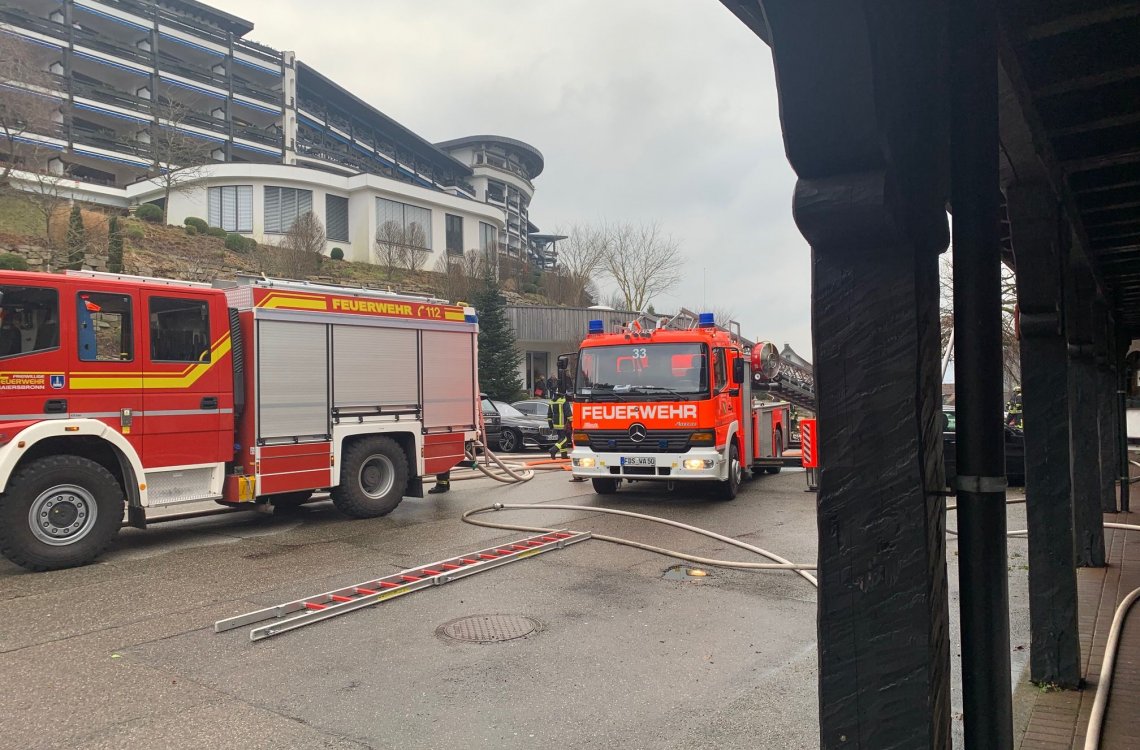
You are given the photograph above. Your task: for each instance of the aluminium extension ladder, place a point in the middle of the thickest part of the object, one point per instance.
(312, 609)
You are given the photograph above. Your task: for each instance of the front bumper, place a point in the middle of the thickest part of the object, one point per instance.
(540, 440)
(696, 464)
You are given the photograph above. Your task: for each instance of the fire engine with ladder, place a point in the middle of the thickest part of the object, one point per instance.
(674, 400)
(138, 399)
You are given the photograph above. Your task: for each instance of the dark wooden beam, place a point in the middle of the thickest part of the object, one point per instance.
(1118, 158)
(1099, 124)
(1076, 21)
(1081, 83)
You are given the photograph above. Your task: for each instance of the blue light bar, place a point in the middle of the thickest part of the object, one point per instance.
(707, 320)
(597, 326)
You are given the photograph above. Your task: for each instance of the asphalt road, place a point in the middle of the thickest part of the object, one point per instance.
(122, 654)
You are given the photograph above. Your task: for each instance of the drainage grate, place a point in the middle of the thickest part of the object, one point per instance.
(488, 628)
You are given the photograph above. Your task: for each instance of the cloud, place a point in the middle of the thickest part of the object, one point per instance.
(646, 110)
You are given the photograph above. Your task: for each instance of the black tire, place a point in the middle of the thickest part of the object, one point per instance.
(290, 500)
(727, 490)
(80, 509)
(510, 440)
(778, 452)
(604, 486)
(373, 478)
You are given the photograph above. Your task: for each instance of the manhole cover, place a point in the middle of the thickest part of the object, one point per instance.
(488, 628)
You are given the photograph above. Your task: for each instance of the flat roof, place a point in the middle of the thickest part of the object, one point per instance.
(528, 153)
(227, 21)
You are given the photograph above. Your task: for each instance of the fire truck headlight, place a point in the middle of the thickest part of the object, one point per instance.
(703, 437)
(698, 463)
(585, 463)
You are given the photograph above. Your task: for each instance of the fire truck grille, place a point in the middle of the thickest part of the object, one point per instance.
(656, 441)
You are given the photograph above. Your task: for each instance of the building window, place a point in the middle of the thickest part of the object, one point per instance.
(336, 218)
(283, 206)
(179, 330)
(403, 223)
(231, 208)
(454, 234)
(488, 237)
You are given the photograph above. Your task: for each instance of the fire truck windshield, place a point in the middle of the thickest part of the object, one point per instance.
(644, 370)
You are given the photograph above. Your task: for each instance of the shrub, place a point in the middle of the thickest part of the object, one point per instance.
(199, 225)
(76, 239)
(238, 244)
(13, 262)
(337, 254)
(149, 212)
(191, 230)
(529, 288)
(134, 233)
(217, 232)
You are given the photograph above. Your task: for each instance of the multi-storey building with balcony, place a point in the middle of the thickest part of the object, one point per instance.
(276, 136)
(503, 173)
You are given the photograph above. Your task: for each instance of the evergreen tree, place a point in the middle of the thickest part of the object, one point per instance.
(499, 357)
(114, 246)
(76, 240)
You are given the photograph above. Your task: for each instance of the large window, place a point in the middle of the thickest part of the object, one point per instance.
(104, 327)
(231, 208)
(454, 234)
(336, 218)
(488, 237)
(179, 330)
(30, 320)
(403, 223)
(283, 205)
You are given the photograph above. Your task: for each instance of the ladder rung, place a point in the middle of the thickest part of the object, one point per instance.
(388, 585)
(364, 591)
(339, 598)
(450, 566)
(467, 561)
(430, 572)
(410, 579)
(486, 556)
(314, 605)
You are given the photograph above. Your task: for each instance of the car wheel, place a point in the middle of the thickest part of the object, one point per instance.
(509, 441)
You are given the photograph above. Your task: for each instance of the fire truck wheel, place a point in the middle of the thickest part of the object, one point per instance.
(373, 478)
(59, 512)
(727, 489)
(605, 486)
(290, 500)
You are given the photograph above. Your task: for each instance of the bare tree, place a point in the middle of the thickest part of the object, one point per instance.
(1010, 346)
(179, 157)
(26, 105)
(46, 194)
(399, 248)
(300, 252)
(581, 263)
(643, 263)
(459, 276)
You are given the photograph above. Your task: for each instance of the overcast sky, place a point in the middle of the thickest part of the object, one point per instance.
(646, 110)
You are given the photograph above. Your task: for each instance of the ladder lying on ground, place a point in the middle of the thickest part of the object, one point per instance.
(312, 609)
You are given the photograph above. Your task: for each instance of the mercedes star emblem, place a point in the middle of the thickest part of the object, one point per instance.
(637, 432)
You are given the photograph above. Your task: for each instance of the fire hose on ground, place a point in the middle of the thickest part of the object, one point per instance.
(1104, 683)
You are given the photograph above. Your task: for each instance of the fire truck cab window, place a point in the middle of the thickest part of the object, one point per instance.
(179, 330)
(29, 320)
(105, 329)
(720, 374)
(645, 369)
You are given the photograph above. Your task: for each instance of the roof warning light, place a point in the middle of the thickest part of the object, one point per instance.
(597, 326)
(707, 320)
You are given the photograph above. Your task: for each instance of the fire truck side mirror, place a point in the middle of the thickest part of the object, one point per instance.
(737, 371)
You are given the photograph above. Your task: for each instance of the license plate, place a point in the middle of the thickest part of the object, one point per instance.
(638, 461)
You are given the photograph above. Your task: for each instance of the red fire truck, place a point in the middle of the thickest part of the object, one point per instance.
(138, 399)
(670, 400)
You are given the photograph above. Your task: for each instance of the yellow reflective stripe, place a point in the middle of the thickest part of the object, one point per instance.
(303, 301)
(454, 315)
(95, 381)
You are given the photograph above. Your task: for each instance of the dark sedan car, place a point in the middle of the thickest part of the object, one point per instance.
(516, 430)
(1014, 451)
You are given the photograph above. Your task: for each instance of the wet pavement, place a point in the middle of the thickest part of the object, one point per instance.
(122, 653)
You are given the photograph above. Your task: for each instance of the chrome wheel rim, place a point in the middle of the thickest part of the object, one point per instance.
(377, 476)
(508, 441)
(62, 515)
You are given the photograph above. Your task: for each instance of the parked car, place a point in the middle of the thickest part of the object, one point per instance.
(538, 408)
(514, 429)
(1014, 450)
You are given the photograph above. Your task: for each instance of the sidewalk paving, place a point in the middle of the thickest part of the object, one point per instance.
(1059, 720)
